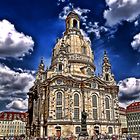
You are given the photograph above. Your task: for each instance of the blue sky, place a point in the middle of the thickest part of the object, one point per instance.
(30, 28)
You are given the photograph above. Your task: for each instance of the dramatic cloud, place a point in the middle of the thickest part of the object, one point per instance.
(129, 90)
(12, 43)
(14, 86)
(89, 26)
(121, 10)
(136, 42)
(18, 104)
(95, 28)
(79, 11)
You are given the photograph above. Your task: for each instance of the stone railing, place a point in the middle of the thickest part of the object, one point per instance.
(80, 57)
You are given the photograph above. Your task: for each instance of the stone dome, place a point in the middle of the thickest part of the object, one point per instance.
(74, 47)
(75, 44)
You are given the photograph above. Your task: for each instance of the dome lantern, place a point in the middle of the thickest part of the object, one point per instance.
(72, 22)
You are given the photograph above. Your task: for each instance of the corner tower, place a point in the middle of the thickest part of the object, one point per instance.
(107, 75)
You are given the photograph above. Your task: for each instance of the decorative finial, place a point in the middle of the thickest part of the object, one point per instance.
(41, 62)
(105, 53)
(41, 66)
(47, 68)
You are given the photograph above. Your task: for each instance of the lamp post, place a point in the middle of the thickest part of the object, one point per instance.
(83, 132)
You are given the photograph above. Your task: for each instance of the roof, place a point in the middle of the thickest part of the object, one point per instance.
(133, 107)
(122, 109)
(9, 116)
(73, 14)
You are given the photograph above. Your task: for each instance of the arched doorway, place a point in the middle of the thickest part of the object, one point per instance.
(58, 131)
(96, 129)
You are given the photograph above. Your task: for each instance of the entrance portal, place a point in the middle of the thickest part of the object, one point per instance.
(96, 129)
(58, 131)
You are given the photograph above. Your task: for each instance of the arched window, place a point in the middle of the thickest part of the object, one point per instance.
(59, 105)
(59, 98)
(76, 100)
(110, 130)
(76, 106)
(89, 72)
(107, 107)
(96, 129)
(77, 129)
(107, 77)
(60, 67)
(94, 105)
(75, 23)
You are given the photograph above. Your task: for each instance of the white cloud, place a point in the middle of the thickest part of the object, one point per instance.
(18, 104)
(95, 28)
(136, 23)
(121, 10)
(89, 26)
(136, 42)
(61, 1)
(14, 86)
(67, 9)
(13, 43)
(129, 91)
(85, 35)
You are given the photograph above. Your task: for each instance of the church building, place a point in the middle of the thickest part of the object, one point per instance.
(56, 99)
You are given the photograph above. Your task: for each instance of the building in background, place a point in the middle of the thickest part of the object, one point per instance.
(55, 100)
(12, 124)
(123, 120)
(133, 118)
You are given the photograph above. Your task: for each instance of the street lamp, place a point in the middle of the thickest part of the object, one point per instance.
(83, 132)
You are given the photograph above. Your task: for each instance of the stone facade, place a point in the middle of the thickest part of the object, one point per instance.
(123, 120)
(56, 98)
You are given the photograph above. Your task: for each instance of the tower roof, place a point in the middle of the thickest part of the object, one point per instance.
(106, 59)
(73, 14)
(41, 65)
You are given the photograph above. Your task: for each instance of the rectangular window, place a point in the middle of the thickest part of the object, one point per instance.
(76, 113)
(108, 115)
(15, 116)
(58, 112)
(95, 114)
(60, 67)
(110, 130)
(58, 101)
(77, 130)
